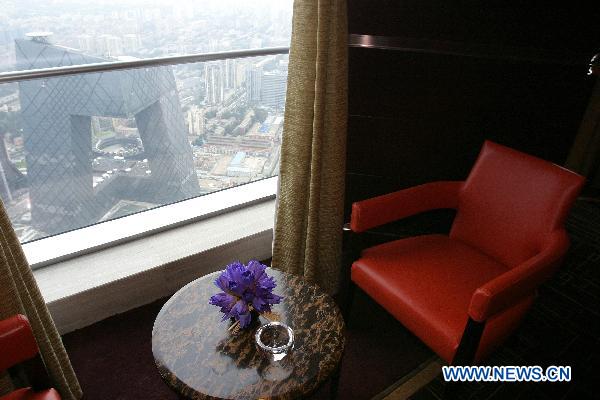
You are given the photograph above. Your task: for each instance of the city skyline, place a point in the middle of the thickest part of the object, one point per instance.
(233, 137)
(57, 126)
(147, 28)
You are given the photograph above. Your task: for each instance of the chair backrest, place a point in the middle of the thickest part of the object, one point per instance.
(511, 201)
(17, 343)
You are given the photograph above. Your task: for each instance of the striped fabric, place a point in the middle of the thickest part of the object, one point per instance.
(310, 202)
(19, 294)
(584, 156)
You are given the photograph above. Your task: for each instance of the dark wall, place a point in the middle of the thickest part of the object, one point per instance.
(418, 116)
(569, 26)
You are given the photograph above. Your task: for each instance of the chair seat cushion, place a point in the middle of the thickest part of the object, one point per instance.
(29, 394)
(426, 282)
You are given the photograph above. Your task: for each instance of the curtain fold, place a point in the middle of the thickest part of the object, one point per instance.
(584, 156)
(19, 294)
(309, 216)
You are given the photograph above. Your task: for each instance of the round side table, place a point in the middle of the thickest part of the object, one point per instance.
(199, 358)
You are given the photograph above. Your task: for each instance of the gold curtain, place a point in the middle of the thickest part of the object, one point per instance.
(584, 156)
(19, 294)
(309, 213)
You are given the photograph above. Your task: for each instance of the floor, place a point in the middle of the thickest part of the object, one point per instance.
(113, 358)
(563, 327)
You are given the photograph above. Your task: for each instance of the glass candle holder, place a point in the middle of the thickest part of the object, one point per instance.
(276, 339)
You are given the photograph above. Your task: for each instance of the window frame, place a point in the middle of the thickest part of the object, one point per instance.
(75, 243)
(53, 249)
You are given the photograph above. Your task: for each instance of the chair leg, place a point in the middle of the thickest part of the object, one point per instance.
(451, 390)
(352, 247)
(348, 302)
(467, 348)
(32, 373)
(335, 382)
(465, 355)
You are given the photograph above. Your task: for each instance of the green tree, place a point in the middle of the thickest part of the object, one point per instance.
(260, 115)
(10, 122)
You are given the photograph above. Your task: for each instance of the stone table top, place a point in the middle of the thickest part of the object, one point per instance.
(200, 358)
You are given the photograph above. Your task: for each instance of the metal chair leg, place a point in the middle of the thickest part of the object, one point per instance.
(348, 302)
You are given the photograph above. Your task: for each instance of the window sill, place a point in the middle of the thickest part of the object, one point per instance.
(87, 288)
(108, 234)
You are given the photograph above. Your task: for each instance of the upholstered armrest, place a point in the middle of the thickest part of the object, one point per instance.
(519, 282)
(390, 207)
(17, 343)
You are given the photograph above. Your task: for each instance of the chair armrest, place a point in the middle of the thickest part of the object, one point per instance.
(509, 288)
(390, 207)
(17, 343)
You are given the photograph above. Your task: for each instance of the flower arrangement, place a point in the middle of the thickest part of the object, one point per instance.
(246, 289)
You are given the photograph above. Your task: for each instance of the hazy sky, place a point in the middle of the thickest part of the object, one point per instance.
(176, 22)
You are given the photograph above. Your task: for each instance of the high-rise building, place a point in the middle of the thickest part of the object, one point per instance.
(230, 72)
(87, 43)
(253, 84)
(131, 43)
(213, 45)
(213, 72)
(112, 45)
(10, 176)
(195, 121)
(256, 43)
(240, 74)
(57, 117)
(273, 89)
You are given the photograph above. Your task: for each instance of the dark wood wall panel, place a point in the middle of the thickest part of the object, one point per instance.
(388, 147)
(419, 116)
(569, 26)
(432, 101)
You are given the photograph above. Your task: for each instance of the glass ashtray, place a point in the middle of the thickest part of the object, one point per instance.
(276, 339)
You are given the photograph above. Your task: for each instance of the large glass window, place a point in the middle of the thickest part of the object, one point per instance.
(80, 149)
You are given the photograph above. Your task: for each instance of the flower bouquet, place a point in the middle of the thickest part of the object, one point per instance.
(247, 290)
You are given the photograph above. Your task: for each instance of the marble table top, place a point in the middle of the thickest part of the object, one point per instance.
(200, 358)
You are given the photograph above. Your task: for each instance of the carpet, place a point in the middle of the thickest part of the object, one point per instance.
(562, 327)
(113, 358)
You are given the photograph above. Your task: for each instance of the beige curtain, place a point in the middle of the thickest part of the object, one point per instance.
(309, 214)
(584, 156)
(19, 294)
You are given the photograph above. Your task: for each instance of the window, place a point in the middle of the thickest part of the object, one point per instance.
(85, 148)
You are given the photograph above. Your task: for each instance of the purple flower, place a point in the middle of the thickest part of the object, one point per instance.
(245, 288)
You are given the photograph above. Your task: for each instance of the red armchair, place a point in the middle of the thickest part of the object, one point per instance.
(464, 293)
(18, 346)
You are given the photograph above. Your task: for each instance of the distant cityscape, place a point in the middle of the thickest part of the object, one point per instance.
(81, 149)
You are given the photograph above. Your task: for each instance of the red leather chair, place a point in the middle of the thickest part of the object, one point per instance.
(18, 346)
(464, 293)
